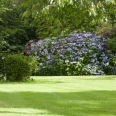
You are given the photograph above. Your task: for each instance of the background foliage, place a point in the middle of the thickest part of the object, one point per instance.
(21, 21)
(48, 18)
(12, 29)
(55, 17)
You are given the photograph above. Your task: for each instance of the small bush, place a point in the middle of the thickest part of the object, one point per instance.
(111, 40)
(18, 68)
(114, 60)
(104, 27)
(33, 63)
(100, 29)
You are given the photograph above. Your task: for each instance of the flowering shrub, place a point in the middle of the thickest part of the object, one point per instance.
(74, 54)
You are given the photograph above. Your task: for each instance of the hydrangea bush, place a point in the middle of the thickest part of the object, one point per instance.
(74, 54)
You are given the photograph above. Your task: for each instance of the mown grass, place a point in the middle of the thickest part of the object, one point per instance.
(59, 96)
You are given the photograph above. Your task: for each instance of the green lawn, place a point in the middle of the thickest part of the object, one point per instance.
(59, 96)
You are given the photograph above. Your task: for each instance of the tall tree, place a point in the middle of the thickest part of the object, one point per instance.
(53, 17)
(3, 9)
(12, 29)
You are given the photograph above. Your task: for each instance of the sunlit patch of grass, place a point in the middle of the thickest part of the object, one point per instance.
(22, 111)
(59, 96)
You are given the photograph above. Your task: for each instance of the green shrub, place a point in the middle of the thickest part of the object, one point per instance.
(104, 27)
(108, 31)
(114, 61)
(111, 40)
(33, 63)
(18, 68)
(111, 45)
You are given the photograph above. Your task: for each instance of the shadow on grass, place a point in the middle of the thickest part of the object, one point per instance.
(89, 103)
(39, 81)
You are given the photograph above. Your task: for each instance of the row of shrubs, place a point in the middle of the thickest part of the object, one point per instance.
(75, 54)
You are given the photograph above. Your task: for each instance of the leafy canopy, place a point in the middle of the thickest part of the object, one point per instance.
(55, 17)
